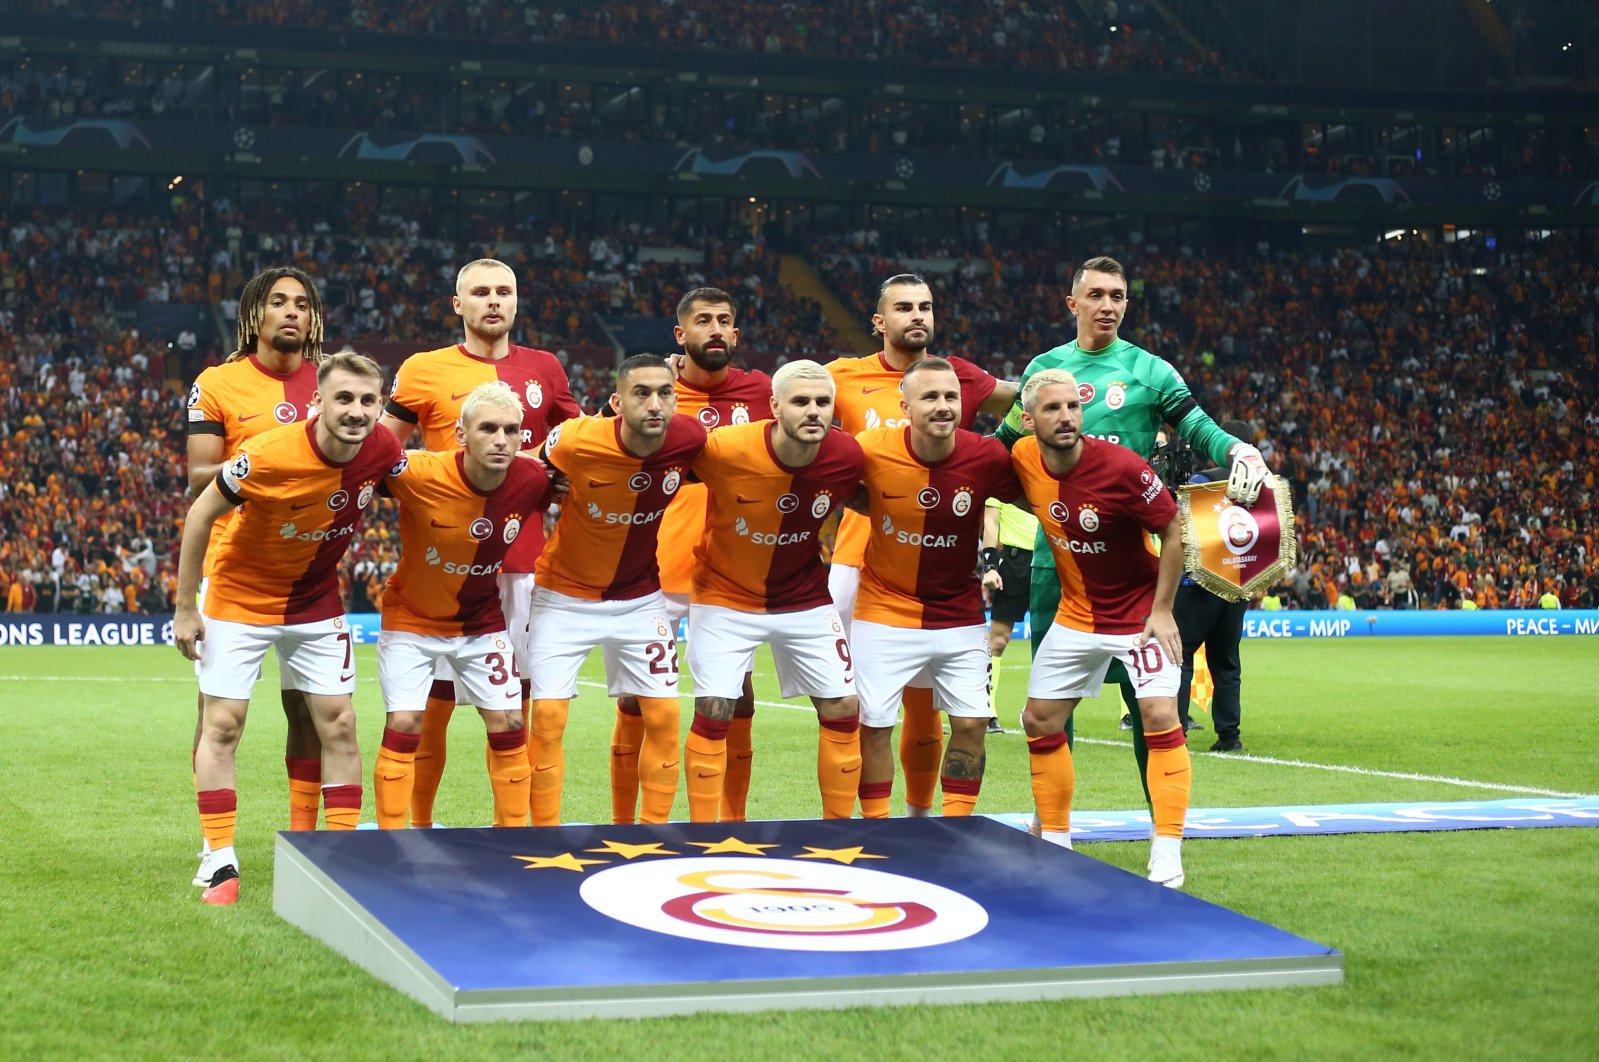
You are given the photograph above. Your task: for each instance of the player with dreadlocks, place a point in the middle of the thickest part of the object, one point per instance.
(266, 383)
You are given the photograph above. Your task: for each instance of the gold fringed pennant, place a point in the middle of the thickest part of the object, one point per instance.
(1236, 551)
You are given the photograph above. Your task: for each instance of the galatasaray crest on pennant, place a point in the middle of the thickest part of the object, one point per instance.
(1236, 551)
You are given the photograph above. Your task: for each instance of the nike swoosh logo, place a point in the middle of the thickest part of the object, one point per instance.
(702, 774)
(850, 770)
(848, 679)
(252, 416)
(599, 483)
(1144, 683)
(443, 527)
(872, 390)
(1170, 773)
(895, 497)
(305, 505)
(547, 767)
(669, 766)
(670, 682)
(347, 678)
(746, 501)
(457, 398)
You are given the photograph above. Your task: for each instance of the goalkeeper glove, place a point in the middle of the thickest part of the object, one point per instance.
(1249, 474)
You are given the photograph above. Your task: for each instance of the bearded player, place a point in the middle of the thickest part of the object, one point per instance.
(869, 397)
(1097, 504)
(717, 395)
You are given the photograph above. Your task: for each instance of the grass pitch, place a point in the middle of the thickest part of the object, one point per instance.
(1457, 945)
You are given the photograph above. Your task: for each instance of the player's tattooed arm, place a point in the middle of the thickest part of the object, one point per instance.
(719, 709)
(860, 502)
(999, 402)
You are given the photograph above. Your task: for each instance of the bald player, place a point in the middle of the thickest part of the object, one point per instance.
(869, 397)
(428, 394)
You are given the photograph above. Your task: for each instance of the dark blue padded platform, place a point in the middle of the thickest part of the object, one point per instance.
(580, 921)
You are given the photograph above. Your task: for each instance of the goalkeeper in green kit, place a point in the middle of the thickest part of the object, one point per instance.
(1127, 394)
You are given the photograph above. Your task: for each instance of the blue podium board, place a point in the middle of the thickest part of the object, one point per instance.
(635, 921)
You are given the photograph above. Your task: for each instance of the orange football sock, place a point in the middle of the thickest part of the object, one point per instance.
(430, 754)
(1171, 780)
(219, 813)
(626, 737)
(658, 757)
(736, 779)
(1054, 778)
(960, 795)
(305, 791)
(921, 747)
(392, 777)
(705, 761)
(838, 765)
(547, 725)
(341, 806)
(509, 776)
(874, 799)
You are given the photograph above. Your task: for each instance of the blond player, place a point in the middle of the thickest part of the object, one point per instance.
(428, 393)
(759, 578)
(461, 513)
(1097, 503)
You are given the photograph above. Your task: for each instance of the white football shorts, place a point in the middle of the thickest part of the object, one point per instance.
(635, 636)
(485, 664)
(315, 657)
(809, 648)
(954, 661)
(1072, 664)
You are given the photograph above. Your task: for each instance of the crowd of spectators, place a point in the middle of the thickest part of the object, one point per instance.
(91, 428)
(1126, 35)
(1431, 404)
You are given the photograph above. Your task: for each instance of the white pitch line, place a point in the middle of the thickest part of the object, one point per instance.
(1343, 769)
(1244, 757)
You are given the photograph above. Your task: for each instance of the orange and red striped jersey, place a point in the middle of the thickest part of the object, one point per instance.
(603, 548)
(242, 399)
(744, 396)
(430, 387)
(278, 561)
(925, 523)
(759, 551)
(868, 397)
(1098, 518)
(454, 540)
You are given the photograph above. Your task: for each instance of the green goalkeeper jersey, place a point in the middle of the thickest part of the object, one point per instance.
(1127, 394)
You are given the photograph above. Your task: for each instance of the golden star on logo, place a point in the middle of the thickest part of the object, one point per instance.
(733, 844)
(846, 856)
(632, 851)
(564, 861)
